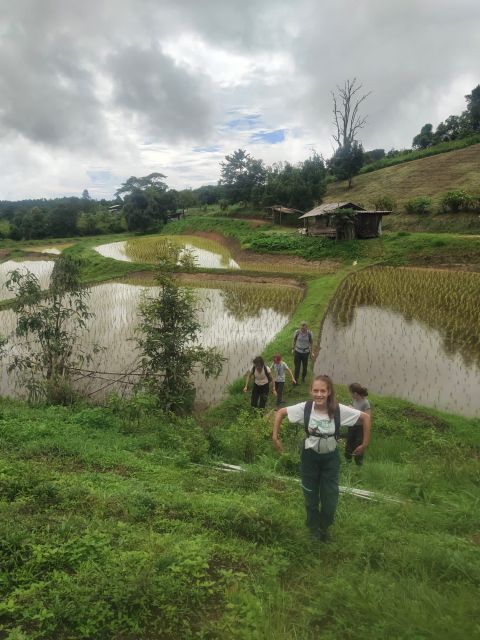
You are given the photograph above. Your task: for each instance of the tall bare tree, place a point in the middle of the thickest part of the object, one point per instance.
(346, 104)
(348, 157)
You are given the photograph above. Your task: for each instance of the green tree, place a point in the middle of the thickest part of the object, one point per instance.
(50, 327)
(473, 108)
(153, 180)
(147, 201)
(425, 138)
(344, 223)
(298, 187)
(167, 337)
(346, 162)
(240, 175)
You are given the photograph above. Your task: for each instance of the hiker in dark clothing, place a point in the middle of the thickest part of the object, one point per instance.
(302, 349)
(320, 462)
(262, 378)
(355, 432)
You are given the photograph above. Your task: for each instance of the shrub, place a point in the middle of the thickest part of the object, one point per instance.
(385, 203)
(244, 439)
(420, 205)
(456, 200)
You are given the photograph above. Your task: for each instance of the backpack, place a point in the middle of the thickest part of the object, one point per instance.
(269, 377)
(309, 334)
(308, 411)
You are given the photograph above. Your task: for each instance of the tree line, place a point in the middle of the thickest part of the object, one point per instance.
(146, 203)
(455, 127)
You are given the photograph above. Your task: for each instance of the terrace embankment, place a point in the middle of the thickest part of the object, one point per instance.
(143, 277)
(268, 261)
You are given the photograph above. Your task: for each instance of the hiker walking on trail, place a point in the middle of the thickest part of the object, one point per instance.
(279, 369)
(262, 378)
(355, 432)
(302, 349)
(320, 462)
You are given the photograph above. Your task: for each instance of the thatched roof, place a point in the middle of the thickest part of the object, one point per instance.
(330, 207)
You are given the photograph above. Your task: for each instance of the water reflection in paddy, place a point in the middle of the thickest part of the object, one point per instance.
(208, 253)
(238, 320)
(42, 269)
(407, 333)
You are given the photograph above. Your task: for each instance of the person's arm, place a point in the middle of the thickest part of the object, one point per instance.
(271, 381)
(312, 352)
(290, 372)
(367, 423)
(247, 380)
(279, 416)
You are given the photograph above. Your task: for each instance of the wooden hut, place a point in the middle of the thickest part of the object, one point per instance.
(319, 221)
(283, 215)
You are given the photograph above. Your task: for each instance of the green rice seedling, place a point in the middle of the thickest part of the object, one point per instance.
(412, 333)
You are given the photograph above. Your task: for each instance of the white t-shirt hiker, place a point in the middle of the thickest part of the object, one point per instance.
(320, 427)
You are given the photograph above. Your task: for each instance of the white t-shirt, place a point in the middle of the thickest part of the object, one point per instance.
(259, 376)
(320, 427)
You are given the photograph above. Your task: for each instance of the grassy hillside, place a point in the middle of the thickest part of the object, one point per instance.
(116, 524)
(430, 176)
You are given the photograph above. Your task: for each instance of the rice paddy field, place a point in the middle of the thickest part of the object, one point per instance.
(210, 253)
(410, 333)
(207, 253)
(118, 522)
(42, 269)
(237, 318)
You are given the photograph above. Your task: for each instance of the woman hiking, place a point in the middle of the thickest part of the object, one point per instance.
(355, 432)
(262, 378)
(320, 461)
(302, 349)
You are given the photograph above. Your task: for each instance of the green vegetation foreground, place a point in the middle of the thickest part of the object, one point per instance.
(117, 523)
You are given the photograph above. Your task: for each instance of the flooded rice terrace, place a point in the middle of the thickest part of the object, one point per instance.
(42, 269)
(208, 253)
(237, 318)
(410, 333)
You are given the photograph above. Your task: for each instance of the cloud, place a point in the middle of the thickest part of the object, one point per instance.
(161, 99)
(130, 87)
(48, 93)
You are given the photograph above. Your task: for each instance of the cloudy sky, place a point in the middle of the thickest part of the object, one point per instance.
(95, 91)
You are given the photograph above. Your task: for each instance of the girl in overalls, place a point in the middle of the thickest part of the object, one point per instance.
(320, 462)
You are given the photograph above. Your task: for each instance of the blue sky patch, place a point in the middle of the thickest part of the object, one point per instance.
(270, 137)
(245, 122)
(211, 149)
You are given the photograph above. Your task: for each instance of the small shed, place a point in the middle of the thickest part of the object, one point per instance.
(283, 215)
(319, 221)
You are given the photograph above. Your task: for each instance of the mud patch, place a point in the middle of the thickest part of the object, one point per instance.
(426, 419)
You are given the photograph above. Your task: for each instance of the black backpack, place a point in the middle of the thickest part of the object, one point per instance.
(308, 411)
(269, 377)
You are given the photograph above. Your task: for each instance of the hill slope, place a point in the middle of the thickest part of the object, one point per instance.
(430, 176)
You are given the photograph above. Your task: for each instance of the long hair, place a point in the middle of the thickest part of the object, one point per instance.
(259, 363)
(331, 400)
(356, 387)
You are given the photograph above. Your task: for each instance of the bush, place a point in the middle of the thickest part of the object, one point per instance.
(245, 439)
(455, 200)
(385, 203)
(420, 205)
